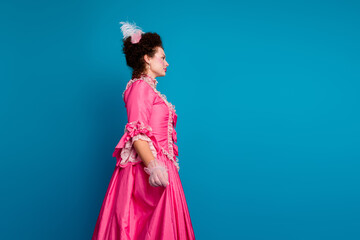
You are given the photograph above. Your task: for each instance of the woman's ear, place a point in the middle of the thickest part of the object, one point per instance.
(146, 58)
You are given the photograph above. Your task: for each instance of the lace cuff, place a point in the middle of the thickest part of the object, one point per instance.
(128, 153)
(125, 152)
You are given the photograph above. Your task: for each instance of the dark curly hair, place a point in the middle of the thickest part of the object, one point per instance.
(134, 53)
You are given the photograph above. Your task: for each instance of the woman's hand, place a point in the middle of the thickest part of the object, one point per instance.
(158, 174)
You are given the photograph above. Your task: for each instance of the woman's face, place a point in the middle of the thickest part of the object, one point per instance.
(158, 64)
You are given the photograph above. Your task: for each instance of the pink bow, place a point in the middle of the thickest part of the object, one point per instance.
(135, 38)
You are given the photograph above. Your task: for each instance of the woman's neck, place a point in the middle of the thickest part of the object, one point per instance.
(149, 75)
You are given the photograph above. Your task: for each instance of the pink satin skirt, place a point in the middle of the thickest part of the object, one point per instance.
(133, 209)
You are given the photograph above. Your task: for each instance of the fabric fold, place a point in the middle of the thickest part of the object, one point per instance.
(174, 135)
(174, 119)
(175, 148)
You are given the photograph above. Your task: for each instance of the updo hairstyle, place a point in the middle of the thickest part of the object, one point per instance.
(134, 53)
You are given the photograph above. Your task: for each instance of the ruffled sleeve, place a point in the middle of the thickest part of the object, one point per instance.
(139, 98)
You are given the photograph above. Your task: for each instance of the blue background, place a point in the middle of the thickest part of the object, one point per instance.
(267, 96)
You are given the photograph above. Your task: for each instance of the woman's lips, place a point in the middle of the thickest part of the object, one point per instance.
(165, 69)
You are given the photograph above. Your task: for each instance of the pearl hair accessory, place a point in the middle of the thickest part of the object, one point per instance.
(131, 30)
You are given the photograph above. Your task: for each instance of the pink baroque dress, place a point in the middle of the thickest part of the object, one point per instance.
(132, 208)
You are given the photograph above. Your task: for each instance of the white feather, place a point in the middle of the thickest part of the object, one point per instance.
(129, 29)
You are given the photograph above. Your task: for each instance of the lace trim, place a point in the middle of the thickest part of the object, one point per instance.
(171, 157)
(128, 153)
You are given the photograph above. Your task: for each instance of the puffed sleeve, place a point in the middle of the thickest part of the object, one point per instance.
(139, 99)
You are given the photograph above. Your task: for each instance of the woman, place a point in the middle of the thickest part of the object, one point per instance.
(145, 198)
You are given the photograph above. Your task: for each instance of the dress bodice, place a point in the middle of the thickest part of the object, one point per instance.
(148, 109)
(163, 125)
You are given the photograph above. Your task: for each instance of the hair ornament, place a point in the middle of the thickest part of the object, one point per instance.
(131, 30)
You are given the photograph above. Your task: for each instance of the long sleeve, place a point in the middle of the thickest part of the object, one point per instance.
(139, 99)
